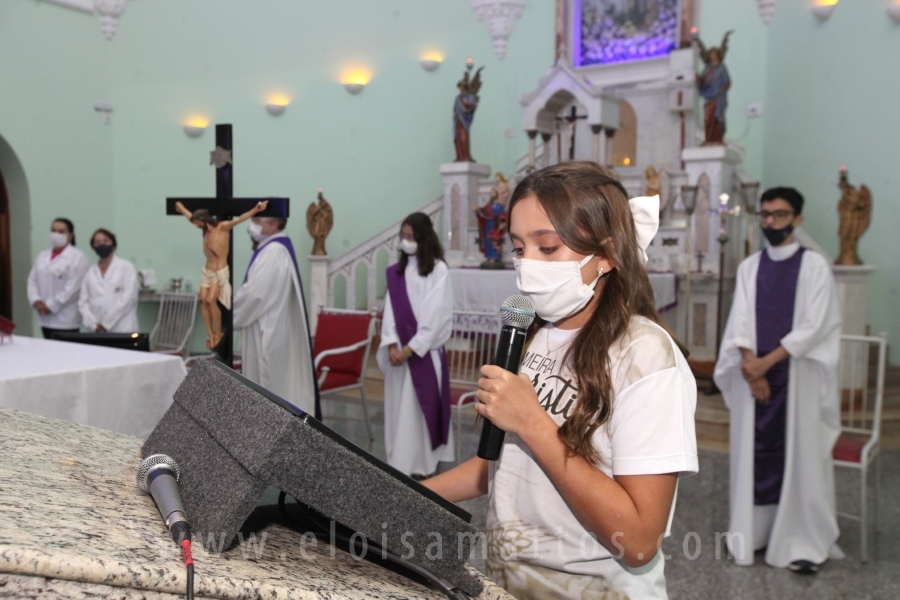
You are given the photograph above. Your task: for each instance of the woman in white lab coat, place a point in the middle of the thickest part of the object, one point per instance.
(55, 280)
(109, 293)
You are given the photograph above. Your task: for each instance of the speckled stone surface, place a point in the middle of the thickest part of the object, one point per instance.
(70, 512)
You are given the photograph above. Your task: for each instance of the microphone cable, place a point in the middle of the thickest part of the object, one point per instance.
(189, 563)
(181, 533)
(448, 589)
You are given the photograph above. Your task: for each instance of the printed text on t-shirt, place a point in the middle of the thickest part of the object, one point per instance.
(556, 393)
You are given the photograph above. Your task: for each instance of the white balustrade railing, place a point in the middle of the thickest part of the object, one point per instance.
(347, 266)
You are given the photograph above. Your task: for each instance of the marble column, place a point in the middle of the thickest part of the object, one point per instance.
(608, 147)
(545, 157)
(596, 155)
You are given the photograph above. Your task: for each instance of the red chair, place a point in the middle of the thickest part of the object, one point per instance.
(341, 350)
(859, 444)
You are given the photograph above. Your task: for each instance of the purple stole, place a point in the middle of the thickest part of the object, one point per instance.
(433, 398)
(776, 291)
(286, 242)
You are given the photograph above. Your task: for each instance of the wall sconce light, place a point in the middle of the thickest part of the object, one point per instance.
(355, 79)
(276, 105)
(430, 62)
(105, 109)
(894, 12)
(823, 8)
(195, 127)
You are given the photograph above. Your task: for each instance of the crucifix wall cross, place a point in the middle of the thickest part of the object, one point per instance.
(225, 207)
(570, 119)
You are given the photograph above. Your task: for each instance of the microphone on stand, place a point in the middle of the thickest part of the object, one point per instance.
(158, 476)
(516, 314)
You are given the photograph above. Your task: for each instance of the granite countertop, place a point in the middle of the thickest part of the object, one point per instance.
(73, 523)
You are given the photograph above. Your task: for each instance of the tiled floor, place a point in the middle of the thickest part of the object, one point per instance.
(703, 509)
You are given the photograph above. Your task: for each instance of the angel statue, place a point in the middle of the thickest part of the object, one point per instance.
(319, 221)
(713, 84)
(855, 211)
(464, 112)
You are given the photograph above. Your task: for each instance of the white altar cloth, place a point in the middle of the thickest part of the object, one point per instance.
(484, 290)
(121, 390)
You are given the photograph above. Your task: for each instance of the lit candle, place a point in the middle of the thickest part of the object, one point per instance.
(469, 63)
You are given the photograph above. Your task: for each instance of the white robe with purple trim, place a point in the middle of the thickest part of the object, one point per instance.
(406, 435)
(804, 525)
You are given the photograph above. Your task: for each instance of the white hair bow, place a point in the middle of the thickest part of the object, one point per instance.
(645, 210)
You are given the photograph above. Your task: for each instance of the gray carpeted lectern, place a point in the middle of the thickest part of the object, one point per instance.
(232, 439)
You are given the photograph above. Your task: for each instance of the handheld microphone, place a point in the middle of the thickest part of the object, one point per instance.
(516, 314)
(158, 476)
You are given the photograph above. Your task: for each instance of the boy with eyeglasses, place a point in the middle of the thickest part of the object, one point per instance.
(776, 369)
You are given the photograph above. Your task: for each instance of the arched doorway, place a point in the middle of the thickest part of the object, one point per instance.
(15, 240)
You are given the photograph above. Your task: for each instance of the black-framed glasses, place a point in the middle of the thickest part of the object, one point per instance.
(778, 215)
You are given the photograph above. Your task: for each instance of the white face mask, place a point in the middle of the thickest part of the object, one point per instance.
(255, 231)
(58, 240)
(409, 247)
(555, 288)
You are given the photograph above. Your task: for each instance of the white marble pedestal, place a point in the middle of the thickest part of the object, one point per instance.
(712, 170)
(460, 193)
(318, 289)
(852, 282)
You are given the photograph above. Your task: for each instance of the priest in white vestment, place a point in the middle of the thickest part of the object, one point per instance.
(418, 321)
(270, 311)
(777, 372)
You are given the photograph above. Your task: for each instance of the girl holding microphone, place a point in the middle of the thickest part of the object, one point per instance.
(600, 420)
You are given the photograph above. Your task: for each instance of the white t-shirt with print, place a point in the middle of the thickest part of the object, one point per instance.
(537, 548)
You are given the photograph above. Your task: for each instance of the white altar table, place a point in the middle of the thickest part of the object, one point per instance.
(484, 290)
(121, 390)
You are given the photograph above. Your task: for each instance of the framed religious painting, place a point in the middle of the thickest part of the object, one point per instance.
(617, 31)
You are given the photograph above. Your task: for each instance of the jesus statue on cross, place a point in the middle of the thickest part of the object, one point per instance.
(215, 280)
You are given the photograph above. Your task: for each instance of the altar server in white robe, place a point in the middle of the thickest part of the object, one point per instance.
(55, 280)
(270, 311)
(109, 292)
(776, 370)
(418, 319)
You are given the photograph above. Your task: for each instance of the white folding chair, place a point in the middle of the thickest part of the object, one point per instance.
(174, 324)
(471, 345)
(860, 441)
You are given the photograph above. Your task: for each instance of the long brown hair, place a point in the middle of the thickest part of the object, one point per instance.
(589, 210)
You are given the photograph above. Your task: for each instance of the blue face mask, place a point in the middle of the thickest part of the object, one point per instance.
(103, 250)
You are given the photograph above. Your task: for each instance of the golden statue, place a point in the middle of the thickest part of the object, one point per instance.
(855, 210)
(319, 221)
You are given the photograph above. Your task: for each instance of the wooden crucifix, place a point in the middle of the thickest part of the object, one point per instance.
(219, 210)
(570, 119)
